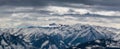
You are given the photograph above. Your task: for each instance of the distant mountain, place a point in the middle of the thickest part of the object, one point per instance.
(61, 37)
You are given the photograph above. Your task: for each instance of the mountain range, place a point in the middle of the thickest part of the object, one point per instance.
(58, 37)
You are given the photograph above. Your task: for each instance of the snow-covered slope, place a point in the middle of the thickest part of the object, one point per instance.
(61, 37)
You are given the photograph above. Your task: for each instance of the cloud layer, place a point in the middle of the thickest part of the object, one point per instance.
(43, 12)
(47, 2)
(16, 16)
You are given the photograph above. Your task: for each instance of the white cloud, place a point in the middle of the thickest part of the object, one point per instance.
(58, 10)
(20, 15)
(67, 10)
(107, 13)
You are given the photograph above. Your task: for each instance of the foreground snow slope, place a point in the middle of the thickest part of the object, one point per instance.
(58, 37)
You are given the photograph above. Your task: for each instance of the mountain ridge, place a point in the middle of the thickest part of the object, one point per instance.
(61, 37)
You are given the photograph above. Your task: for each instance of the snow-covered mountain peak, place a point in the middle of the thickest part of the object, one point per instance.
(60, 37)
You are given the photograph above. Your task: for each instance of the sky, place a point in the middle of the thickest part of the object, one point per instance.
(15, 13)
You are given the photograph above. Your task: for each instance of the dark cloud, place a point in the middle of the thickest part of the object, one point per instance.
(47, 2)
(106, 2)
(24, 2)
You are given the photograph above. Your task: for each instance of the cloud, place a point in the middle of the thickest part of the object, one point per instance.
(94, 12)
(57, 10)
(48, 2)
(24, 2)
